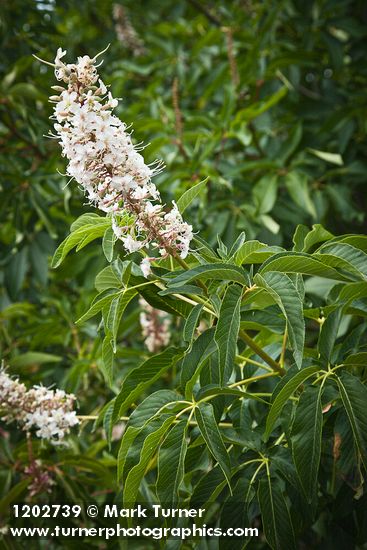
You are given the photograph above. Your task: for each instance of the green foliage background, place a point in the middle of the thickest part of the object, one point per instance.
(267, 99)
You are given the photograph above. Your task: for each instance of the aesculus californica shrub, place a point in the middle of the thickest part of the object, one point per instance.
(263, 405)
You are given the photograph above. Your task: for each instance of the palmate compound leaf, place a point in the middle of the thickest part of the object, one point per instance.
(171, 463)
(354, 397)
(204, 414)
(283, 291)
(226, 333)
(284, 394)
(276, 519)
(306, 439)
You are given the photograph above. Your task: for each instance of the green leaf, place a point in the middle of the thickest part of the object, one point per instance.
(329, 334)
(191, 322)
(358, 241)
(237, 244)
(276, 520)
(165, 303)
(225, 272)
(128, 439)
(346, 293)
(254, 252)
(307, 264)
(306, 439)
(269, 223)
(209, 486)
(116, 311)
(304, 240)
(193, 361)
(204, 414)
(354, 397)
(81, 234)
(33, 358)
(108, 243)
(284, 394)
(142, 377)
(158, 402)
(297, 185)
(258, 108)
(333, 158)
(284, 293)
(226, 332)
(109, 277)
(132, 443)
(356, 360)
(89, 218)
(353, 256)
(14, 494)
(106, 365)
(98, 305)
(16, 271)
(265, 193)
(136, 474)
(171, 464)
(186, 199)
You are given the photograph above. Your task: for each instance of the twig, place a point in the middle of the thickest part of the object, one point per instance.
(261, 353)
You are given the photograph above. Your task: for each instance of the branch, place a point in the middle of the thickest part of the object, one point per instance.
(261, 353)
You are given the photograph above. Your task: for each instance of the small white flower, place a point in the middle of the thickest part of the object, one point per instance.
(145, 266)
(59, 54)
(131, 244)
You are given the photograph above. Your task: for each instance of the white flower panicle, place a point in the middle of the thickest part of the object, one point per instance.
(104, 161)
(49, 412)
(155, 326)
